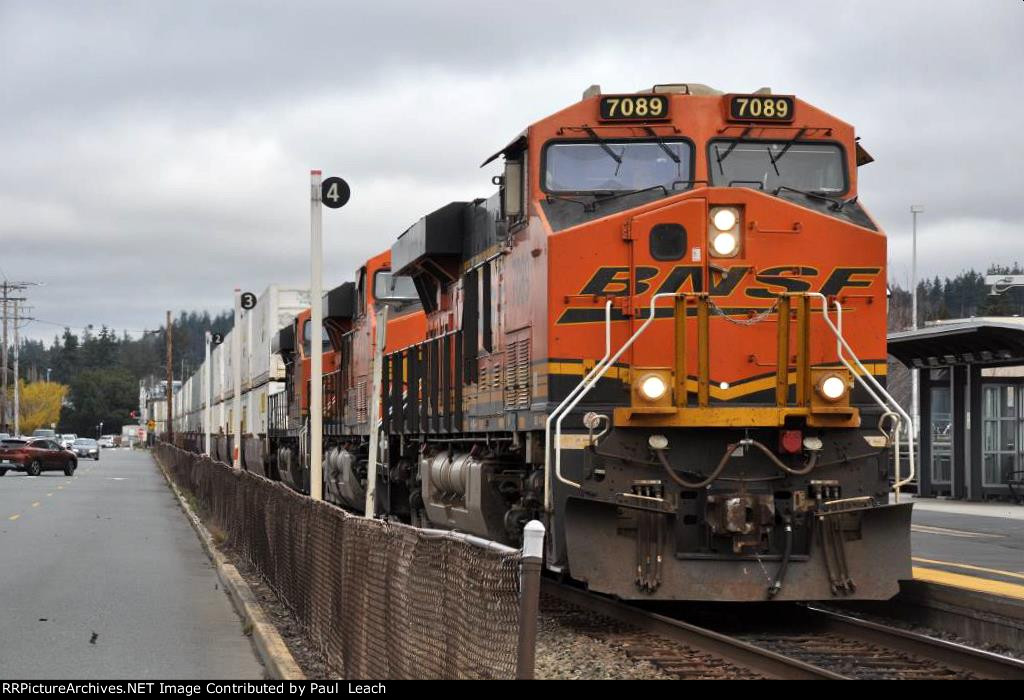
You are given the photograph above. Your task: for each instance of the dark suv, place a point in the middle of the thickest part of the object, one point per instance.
(36, 455)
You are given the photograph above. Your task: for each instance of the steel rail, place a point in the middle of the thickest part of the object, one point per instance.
(984, 663)
(741, 653)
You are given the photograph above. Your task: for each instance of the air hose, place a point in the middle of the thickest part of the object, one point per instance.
(787, 550)
(729, 450)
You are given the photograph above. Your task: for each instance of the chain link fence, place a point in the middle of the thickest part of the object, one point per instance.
(379, 600)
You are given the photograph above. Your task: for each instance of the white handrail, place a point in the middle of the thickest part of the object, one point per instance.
(567, 399)
(883, 397)
(584, 387)
(866, 379)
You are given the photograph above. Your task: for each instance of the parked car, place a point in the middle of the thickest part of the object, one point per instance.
(44, 433)
(107, 441)
(36, 455)
(67, 440)
(86, 448)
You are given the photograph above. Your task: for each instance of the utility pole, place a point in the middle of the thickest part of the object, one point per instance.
(17, 394)
(6, 300)
(170, 379)
(3, 398)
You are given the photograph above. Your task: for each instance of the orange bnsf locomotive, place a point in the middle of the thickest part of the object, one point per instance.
(350, 324)
(665, 337)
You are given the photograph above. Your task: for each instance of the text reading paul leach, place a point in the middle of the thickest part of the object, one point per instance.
(299, 688)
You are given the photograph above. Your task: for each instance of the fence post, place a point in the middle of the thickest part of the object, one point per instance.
(529, 598)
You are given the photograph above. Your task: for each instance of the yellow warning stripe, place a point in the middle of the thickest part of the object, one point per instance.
(743, 388)
(970, 567)
(971, 583)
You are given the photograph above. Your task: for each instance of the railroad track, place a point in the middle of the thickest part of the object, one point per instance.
(787, 642)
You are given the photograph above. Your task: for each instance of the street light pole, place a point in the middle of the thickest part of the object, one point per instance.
(914, 375)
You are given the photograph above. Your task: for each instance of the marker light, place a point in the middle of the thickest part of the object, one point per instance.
(658, 442)
(653, 387)
(724, 244)
(832, 387)
(724, 219)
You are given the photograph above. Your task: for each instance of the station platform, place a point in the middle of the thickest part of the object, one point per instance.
(977, 546)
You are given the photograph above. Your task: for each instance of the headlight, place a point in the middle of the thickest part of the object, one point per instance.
(653, 387)
(724, 231)
(724, 244)
(832, 387)
(724, 219)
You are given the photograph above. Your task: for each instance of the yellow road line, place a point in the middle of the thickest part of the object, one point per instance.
(969, 567)
(59, 488)
(36, 504)
(972, 583)
(50, 494)
(14, 517)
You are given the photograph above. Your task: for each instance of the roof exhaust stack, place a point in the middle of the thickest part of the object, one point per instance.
(592, 91)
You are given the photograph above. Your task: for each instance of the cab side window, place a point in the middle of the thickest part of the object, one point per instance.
(361, 293)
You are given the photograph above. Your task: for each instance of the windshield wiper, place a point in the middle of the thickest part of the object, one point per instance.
(722, 156)
(789, 144)
(588, 207)
(607, 149)
(668, 151)
(808, 193)
(599, 198)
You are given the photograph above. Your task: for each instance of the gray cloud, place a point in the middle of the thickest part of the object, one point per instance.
(155, 154)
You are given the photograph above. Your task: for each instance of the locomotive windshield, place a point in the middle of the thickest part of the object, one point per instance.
(769, 165)
(617, 166)
(307, 339)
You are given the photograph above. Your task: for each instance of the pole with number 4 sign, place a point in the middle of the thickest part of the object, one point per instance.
(334, 193)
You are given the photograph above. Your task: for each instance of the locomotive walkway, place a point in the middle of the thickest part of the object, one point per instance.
(102, 577)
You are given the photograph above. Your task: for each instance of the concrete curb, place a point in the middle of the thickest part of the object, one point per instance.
(274, 653)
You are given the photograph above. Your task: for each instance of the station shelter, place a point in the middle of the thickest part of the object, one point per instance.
(971, 405)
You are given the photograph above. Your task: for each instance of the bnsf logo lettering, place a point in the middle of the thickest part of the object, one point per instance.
(769, 282)
(764, 284)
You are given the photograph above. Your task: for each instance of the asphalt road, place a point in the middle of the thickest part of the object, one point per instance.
(101, 577)
(990, 548)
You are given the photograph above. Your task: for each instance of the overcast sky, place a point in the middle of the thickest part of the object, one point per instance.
(155, 155)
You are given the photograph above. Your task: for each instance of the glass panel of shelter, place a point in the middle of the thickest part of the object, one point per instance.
(1002, 427)
(942, 435)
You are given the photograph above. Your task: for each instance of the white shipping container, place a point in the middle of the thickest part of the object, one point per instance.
(276, 308)
(217, 358)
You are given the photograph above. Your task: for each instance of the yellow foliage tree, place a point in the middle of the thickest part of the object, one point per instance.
(40, 404)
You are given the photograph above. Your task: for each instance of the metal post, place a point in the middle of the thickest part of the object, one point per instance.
(236, 367)
(380, 340)
(208, 378)
(17, 381)
(170, 379)
(529, 598)
(316, 321)
(915, 412)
